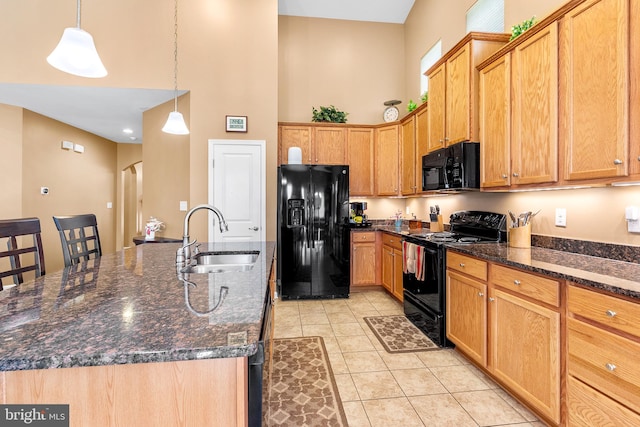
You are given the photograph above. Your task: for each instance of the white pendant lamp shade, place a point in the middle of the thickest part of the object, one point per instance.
(76, 54)
(175, 124)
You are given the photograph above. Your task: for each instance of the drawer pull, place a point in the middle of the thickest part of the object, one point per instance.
(462, 264)
(611, 313)
(491, 299)
(610, 367)
(480, 294)
(617, 162)
(516, 282)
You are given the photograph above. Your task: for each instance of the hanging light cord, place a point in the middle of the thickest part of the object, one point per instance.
(175, 56)
(78, 16)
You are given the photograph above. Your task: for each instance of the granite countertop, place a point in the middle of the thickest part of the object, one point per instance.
(619, 277)
(130, 307)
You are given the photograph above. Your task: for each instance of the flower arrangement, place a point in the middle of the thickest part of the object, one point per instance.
(153, 226)
(424, 97)
(411, 106)
(518, 29)
(398, 218)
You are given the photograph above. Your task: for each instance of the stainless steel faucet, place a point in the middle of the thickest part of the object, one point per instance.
(183, 256)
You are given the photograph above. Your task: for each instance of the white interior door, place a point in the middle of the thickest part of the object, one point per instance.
(237, 188)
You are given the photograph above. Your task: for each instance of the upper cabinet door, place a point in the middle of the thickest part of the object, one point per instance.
(329, 146)
(495, 107)
(594, 90)
(295, 136)
(387, 160)
(437, 107)
(534, 125)
(458, 94)
(408, 158)
(360, 157)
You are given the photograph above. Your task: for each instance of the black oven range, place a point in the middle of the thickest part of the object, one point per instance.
(424, 294)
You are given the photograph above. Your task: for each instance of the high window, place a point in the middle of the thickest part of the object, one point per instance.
(486, 16)
(427, 61)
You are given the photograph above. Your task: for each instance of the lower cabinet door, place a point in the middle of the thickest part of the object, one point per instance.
(387, 268)
(363, 265)
(525, 350)
(467, 315)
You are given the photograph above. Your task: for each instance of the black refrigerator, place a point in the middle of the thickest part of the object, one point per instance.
(313, 219)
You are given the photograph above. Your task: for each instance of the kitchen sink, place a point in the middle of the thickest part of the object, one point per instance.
(222, 262)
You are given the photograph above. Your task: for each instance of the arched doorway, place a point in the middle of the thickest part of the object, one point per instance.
(132, 204)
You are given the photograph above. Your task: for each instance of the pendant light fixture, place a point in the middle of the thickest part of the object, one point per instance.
(76, 53)
(175, 123)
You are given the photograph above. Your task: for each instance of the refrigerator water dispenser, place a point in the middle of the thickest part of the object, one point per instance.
(295, 212)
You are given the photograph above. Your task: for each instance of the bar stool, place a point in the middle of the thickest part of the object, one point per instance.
(79, 237)
(10, 229)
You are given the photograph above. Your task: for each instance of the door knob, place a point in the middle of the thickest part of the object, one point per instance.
(254, 228)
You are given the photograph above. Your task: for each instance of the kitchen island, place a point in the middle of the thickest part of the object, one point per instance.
(125, 342)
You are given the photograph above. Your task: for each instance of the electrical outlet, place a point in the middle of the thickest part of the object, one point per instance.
(561, 217)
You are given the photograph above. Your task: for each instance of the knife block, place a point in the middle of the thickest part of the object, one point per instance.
(436, 226)
(520, 237)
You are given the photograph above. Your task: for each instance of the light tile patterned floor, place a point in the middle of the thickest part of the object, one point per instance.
(433, 388)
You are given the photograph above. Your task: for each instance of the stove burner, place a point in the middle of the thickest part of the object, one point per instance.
(468, 239)
(442, 235)
(438, 239)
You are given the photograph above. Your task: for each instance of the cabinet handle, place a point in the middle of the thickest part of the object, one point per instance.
(516, 282)
(639, 158)
(516, 174)
(462, 264)
(610, 367)
(446, 139)
(611, 313)
(491, 299)
(480, 294)
(617, 162)
(441, 140)
(504, 176)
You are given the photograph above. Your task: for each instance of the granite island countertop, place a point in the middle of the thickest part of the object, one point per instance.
(130, 307)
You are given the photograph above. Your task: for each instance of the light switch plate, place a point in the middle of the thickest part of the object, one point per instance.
(183, 206)
(561, 217)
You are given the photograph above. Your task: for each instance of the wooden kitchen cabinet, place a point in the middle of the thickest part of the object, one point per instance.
(363, 256)
(408, 157)
(495, 123)
(508, 322)
(360, 158)
(519, 113)
(387, 160)
(320, 144)
(453, 90)
(594, 90)
(392, 265)
(329, 146)
(466, 304)
(603, 342)
(294, 136)
(422, 141)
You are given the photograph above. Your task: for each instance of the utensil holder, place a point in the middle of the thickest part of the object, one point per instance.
(436, 226)
(520, 237)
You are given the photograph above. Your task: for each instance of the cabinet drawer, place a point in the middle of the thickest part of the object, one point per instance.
(363, 236)
(465, 264)
(392, 240)
(610, 311)
(587, 408)
(605, 361)
(540, 288)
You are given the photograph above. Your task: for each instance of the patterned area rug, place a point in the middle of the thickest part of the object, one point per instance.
(303, 390)
(398, 335)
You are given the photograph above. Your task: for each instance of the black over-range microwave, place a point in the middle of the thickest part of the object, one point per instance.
(456, 167)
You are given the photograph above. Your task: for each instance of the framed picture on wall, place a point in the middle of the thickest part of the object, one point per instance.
(236, 123)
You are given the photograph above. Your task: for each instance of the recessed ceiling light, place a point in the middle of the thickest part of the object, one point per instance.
(133, 138)
(127, 131)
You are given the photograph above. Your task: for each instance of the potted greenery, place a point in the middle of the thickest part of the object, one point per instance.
(328, 114)
(518, 29)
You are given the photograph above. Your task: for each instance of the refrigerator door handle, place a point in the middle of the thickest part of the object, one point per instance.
(312, 213)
